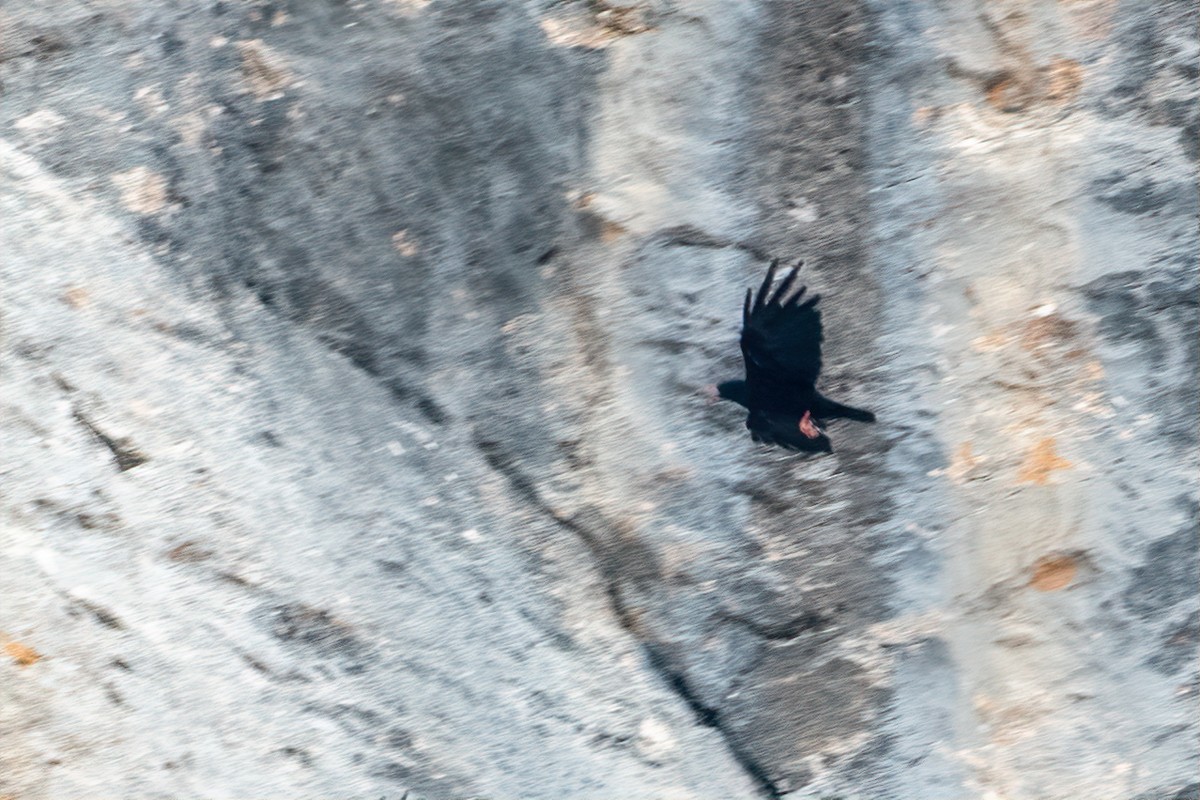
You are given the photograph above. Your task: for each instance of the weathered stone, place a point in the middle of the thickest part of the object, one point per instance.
(352, 436)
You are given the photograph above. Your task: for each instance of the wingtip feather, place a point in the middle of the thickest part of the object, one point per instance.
(785, 286)
(761, 299)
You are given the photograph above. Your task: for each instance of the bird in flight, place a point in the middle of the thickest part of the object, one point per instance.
(781, 345)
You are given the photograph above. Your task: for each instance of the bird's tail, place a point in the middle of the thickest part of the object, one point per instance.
(825, 408)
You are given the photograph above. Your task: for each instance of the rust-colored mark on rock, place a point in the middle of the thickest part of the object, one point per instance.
(1057, 83)
(1042, 460)
(622, 20)
(577, 31)
(594, 27)
(1010, 722)
(1064, 79)
(1007, 93)
(76, 297)
(611, 231)
(1091, 20)
(22, 655)
(990, 342)
(1049, 329)
(962, 464)
(926, 115)
(188, 553)
(263, 69)
(1052, 573)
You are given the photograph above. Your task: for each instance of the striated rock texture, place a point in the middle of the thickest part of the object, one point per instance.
(352, 441)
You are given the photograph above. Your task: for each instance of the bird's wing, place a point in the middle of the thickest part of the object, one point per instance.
(783, 430)
(781, 334)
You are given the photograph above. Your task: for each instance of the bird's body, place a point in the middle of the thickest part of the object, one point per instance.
(781, 345)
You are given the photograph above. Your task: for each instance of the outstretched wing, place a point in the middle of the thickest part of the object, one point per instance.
(781, 336)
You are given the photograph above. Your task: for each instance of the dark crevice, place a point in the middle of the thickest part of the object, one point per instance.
(77, 606)
(809, 622)
(501, 462)
(124, 453)
(362, 359)
(430, 409)
(690, 236)
(710, 717)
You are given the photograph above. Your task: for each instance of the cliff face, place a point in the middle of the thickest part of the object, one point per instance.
(352, 435)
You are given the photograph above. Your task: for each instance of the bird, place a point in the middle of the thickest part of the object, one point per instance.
(781, 346)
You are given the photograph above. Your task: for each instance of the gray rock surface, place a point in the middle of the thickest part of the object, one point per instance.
(352, 441)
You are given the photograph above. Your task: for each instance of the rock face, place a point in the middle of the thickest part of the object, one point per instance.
(352, 443)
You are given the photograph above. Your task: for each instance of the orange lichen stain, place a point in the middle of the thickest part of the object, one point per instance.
(1091, 19)
(990, 342)
(1064, 78)
(611, 231)
(963, 462)
(1052, 573)
(1008, 723)
(1076, 354)
(23, 656)
(925, 115)
(1007, 93)
(77, 297)
(1042, 460)
(1046, 330)
(622, 21)
(188, 553)
(263, 70)
(1059, 83)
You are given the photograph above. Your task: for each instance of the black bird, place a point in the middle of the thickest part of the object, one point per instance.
(781, 345)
